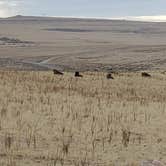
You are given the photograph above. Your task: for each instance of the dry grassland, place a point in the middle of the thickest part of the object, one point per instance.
(67, 44)
(48, 120)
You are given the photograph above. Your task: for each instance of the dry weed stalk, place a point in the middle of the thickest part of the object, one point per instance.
(125, 137)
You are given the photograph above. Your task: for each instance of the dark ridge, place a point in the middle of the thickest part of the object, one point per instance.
(131, 31)
(69, 19)
(13, 40)
(69, 30)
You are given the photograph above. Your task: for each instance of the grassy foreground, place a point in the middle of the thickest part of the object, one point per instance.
(50, 120)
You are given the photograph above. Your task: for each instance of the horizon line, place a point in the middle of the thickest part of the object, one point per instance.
(153, 18)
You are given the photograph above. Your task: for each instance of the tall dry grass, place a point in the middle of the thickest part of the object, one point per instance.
(61, 120)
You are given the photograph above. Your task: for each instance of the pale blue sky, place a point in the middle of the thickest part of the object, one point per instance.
(84, 8)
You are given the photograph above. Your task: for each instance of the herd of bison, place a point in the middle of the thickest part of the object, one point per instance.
(108, 76)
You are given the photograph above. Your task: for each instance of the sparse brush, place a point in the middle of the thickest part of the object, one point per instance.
(9, 139)
(125, 137)
(111, 134)
(45, 112)
(3, 112)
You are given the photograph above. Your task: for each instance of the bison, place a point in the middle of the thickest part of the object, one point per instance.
(77, 74)
(109, 76)
(56, 72)
(144, 74)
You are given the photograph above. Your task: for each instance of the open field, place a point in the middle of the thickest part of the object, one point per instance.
(49, 120)
(68, 44)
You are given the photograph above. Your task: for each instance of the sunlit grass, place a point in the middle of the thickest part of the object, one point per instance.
(47, 119)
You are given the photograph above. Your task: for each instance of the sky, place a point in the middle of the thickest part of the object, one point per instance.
(153, 10)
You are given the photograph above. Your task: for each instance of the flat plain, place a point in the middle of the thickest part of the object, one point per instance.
(81, 44)
(61, 120)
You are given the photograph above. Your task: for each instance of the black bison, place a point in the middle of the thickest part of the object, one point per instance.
(77, 74)
(57, 72)
(109, 76)
(144, 74)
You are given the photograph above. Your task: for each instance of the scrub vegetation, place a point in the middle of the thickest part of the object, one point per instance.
(56, 120)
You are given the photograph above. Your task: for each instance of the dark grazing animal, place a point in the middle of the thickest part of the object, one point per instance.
(77, 74)
(144, 74)
(109, 76)
(56, 72)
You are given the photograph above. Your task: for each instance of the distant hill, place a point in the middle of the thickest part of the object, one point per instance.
(41, 18)
(20, 17)
(71, 19)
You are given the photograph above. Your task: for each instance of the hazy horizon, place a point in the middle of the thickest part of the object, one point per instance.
(161, 18)
(153, 10)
